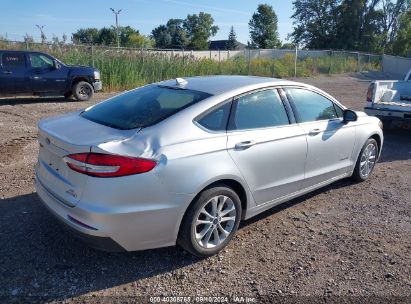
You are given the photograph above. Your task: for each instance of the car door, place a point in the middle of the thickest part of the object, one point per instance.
(13, 73)
(330, 141)
(45, 76)
(269, 151)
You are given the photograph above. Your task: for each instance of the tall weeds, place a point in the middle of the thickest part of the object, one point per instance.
(126, 69)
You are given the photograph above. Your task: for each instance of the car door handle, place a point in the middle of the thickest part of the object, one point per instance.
(7, 72)
(314, 132)
(244, 145)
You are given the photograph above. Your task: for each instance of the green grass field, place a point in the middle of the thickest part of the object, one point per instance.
(125, 69)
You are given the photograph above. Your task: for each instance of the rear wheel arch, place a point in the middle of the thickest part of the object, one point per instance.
(186, 236)
(236, 186)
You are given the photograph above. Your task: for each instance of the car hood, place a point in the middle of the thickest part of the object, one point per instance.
(79, 69)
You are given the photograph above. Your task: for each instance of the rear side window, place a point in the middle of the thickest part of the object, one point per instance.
(13, 61)
(142, 107)
(259, 110)
(216, 119)
(311, 106)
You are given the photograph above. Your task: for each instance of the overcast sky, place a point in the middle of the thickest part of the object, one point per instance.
(20, 17)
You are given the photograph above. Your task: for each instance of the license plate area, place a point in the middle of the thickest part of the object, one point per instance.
(52, 160)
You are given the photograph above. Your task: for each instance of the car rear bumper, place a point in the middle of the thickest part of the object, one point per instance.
(96, 242)
(116, 230)
(387, 114)
(97, 85)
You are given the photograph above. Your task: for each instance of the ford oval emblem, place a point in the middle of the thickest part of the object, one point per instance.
(48, 140)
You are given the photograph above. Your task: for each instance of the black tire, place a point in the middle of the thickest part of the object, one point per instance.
(358, 173)
(187, 234)
(83, 91)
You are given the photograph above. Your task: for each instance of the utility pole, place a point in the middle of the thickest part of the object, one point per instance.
(118, 34)
(43, 36)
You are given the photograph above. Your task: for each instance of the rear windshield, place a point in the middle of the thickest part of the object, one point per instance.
(142, 107)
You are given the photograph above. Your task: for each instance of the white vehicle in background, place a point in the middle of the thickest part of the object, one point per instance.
(390, 100)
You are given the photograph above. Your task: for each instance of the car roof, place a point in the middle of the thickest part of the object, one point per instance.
(219, 84)
(21, 51)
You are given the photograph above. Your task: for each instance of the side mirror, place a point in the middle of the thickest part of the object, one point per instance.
(56, 65)
(349, 115)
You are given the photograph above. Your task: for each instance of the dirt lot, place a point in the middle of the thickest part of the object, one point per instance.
(341, 242)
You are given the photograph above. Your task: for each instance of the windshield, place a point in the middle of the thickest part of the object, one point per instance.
(142, 107)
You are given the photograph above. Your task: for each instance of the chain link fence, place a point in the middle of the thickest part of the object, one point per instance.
(124, 68)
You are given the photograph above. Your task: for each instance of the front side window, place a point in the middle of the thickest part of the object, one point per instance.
(13, 61)
(259, 110)
(311, 106)
(142, 107)
(39, 61)
(340, 112)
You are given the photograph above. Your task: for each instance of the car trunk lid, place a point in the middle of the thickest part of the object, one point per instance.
(64, 135)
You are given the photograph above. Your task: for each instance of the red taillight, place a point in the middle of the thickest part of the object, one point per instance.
(107, 165)
(370, 92)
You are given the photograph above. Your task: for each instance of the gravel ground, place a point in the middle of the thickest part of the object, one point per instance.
(343, 242)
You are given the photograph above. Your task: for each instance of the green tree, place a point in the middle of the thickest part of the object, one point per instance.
(193, 32)
(288, 46)
(401, 45)
(177, 33)
(315, 22)
(264, 28)
(161, 36)
(199, 30)
(125, 32)
(232, 43)
(171, 35)
(107, 36)
(129, 37)
(366, 25)
(392, 10)
(360, 26)
(86, 35)
(139, 41)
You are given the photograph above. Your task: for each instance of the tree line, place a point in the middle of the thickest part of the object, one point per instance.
(193, 32)
(378, 26)
(128, 37)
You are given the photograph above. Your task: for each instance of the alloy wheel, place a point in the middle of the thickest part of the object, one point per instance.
(368, 158)
(84, 91)
(215, 221)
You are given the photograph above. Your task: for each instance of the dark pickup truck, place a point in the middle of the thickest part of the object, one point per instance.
(35, 73)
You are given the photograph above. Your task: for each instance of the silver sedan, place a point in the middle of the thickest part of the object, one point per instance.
(184, 161)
